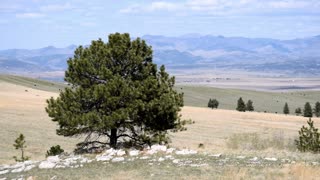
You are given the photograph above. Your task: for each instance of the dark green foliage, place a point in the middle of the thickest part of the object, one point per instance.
(116, 92)
(286, 109)
(307, 111)
(309, 138)
(298, 111)
(249, 106)
(213, 103)
(20, 144)
(241, 105)
(54, 150)
(317, 109)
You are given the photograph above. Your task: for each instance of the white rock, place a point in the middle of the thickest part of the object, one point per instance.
(186, 152)
(161, 159)
(4, 172)
(46, 165)
(170, 150)
(121, 152)
(176, 161)
(134, 153)
(60, 166)
(118, 159)
(110, 152)
(254, 159)
(53, 159)
(145, 157)
(28, 168)
(216, 155)
(169, 157)
(18, 165)
(241, 157)
(18, 170)
(103, 158)
(158, 147)
(271, 159)
(151, 151)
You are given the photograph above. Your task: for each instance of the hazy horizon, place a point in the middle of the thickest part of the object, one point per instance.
(35, 24)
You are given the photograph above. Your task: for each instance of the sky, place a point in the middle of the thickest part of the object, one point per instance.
(31, 24)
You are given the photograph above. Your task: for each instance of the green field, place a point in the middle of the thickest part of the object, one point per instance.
(271, 102)
(33, 83)
(198, 96)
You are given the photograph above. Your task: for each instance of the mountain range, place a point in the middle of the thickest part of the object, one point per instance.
(290, 57)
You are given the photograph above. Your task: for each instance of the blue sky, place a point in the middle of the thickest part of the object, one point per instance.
(39, 23)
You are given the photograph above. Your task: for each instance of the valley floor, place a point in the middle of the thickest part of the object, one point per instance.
(232, 133)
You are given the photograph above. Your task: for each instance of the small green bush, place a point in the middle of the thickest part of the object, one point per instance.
(309, 138)
(54, 150)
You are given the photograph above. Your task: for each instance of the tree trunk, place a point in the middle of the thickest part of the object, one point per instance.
(113, 138)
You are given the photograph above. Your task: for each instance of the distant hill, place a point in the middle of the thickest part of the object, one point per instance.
(291, 57)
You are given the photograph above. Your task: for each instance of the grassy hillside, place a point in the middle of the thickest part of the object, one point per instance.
(32, 83)
(263, 101)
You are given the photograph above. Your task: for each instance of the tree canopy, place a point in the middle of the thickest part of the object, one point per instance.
(286, 109)
(116, 92)
(241, 106)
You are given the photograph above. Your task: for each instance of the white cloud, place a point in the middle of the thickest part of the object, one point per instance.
(224, 6)
(30, 15)
(56, 7)
(154, 6)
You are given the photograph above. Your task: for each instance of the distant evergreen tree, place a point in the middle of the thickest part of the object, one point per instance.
(213, 103)
(309, 138)
(317, 109)
(286, 109)
(298, 111)
(249, 106)
(241, 105)
(307, 112)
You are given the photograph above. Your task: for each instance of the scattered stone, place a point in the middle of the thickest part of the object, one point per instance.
(186, 152)
(118, 159)
(46, 165)
(158, 147)
(145, 157)
(315, 163)
(103, 158)
(121, 152)
(28, 168)
(161, 159)
(4, 172)
(170, 150)
(53, 159)
(254, 159)
(271, 159)
(216, 155)
(18, 170)
(151, 151)
(176, 161)
(134, 153)
(241, 157)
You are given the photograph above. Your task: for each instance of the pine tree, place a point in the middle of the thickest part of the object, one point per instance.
(317, 109)
(215, 103)
(286, 109)
(298, 111)
(249, 106)
(210, 104)
(307, 111)
(309, 138)
(20, 144)
(116, 92)
(241, 105)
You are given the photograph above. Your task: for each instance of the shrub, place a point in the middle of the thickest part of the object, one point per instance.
(213, 103)
(20, 144)
(54, 150)
(309, 138)
(317, 109)
(298, 111)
